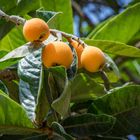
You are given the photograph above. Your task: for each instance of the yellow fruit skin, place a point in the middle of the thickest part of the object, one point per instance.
(35, 29)
(79, 49)
(92, 58)
(57, 53)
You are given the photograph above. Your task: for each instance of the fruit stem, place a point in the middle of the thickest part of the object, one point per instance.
(67, 36)
(105, 79)
(13, 18)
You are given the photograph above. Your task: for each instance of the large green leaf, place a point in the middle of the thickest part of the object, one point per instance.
(114, 47)
(63, 6)
(13, 118)
(5, 6)
(84, 88)
(12, 40)
(88, 124)
(29, 69)
(122, 27)
(122, 103)
(98, 27)
(135, 38)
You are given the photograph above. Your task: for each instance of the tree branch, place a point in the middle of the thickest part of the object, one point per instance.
(77, 8)
(8, 75)
(69, 37)
(13, 18)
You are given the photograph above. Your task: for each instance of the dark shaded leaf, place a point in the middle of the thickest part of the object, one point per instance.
(60, 130)
(88, 124)
(42, 106)
(122, 103)
(60, 77)
(61, 104)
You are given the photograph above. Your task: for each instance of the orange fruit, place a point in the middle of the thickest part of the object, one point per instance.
(36, 29)
(57, 53)
(79, 49)
(92, 59)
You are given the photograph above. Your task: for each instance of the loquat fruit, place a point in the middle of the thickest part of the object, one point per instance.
(57, 53)
(36, 29)
(79, 49)
(92, 59)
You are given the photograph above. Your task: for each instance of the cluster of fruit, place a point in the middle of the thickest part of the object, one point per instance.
(59, 53)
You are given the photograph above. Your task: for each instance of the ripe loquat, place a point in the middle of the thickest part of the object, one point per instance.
(57, 53)
(92, 59)
(35, 29)
(79, 49)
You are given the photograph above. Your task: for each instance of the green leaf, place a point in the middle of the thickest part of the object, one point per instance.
(135, 38)
(98, 27)
(114, 47)
(12, 40)
(118, 29)
(23, 7)
(42, 107)
(5, 6)
(2, 53)
(13, 89)
(63, 6)
(61, 105)
(47, 15)
(3, 87)
(60, 77)
(122, 103)
(13, 118)
(60, 130)
(14, 56)
(29, 69)
(57, 84)
(88, 124)
(85, 88)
